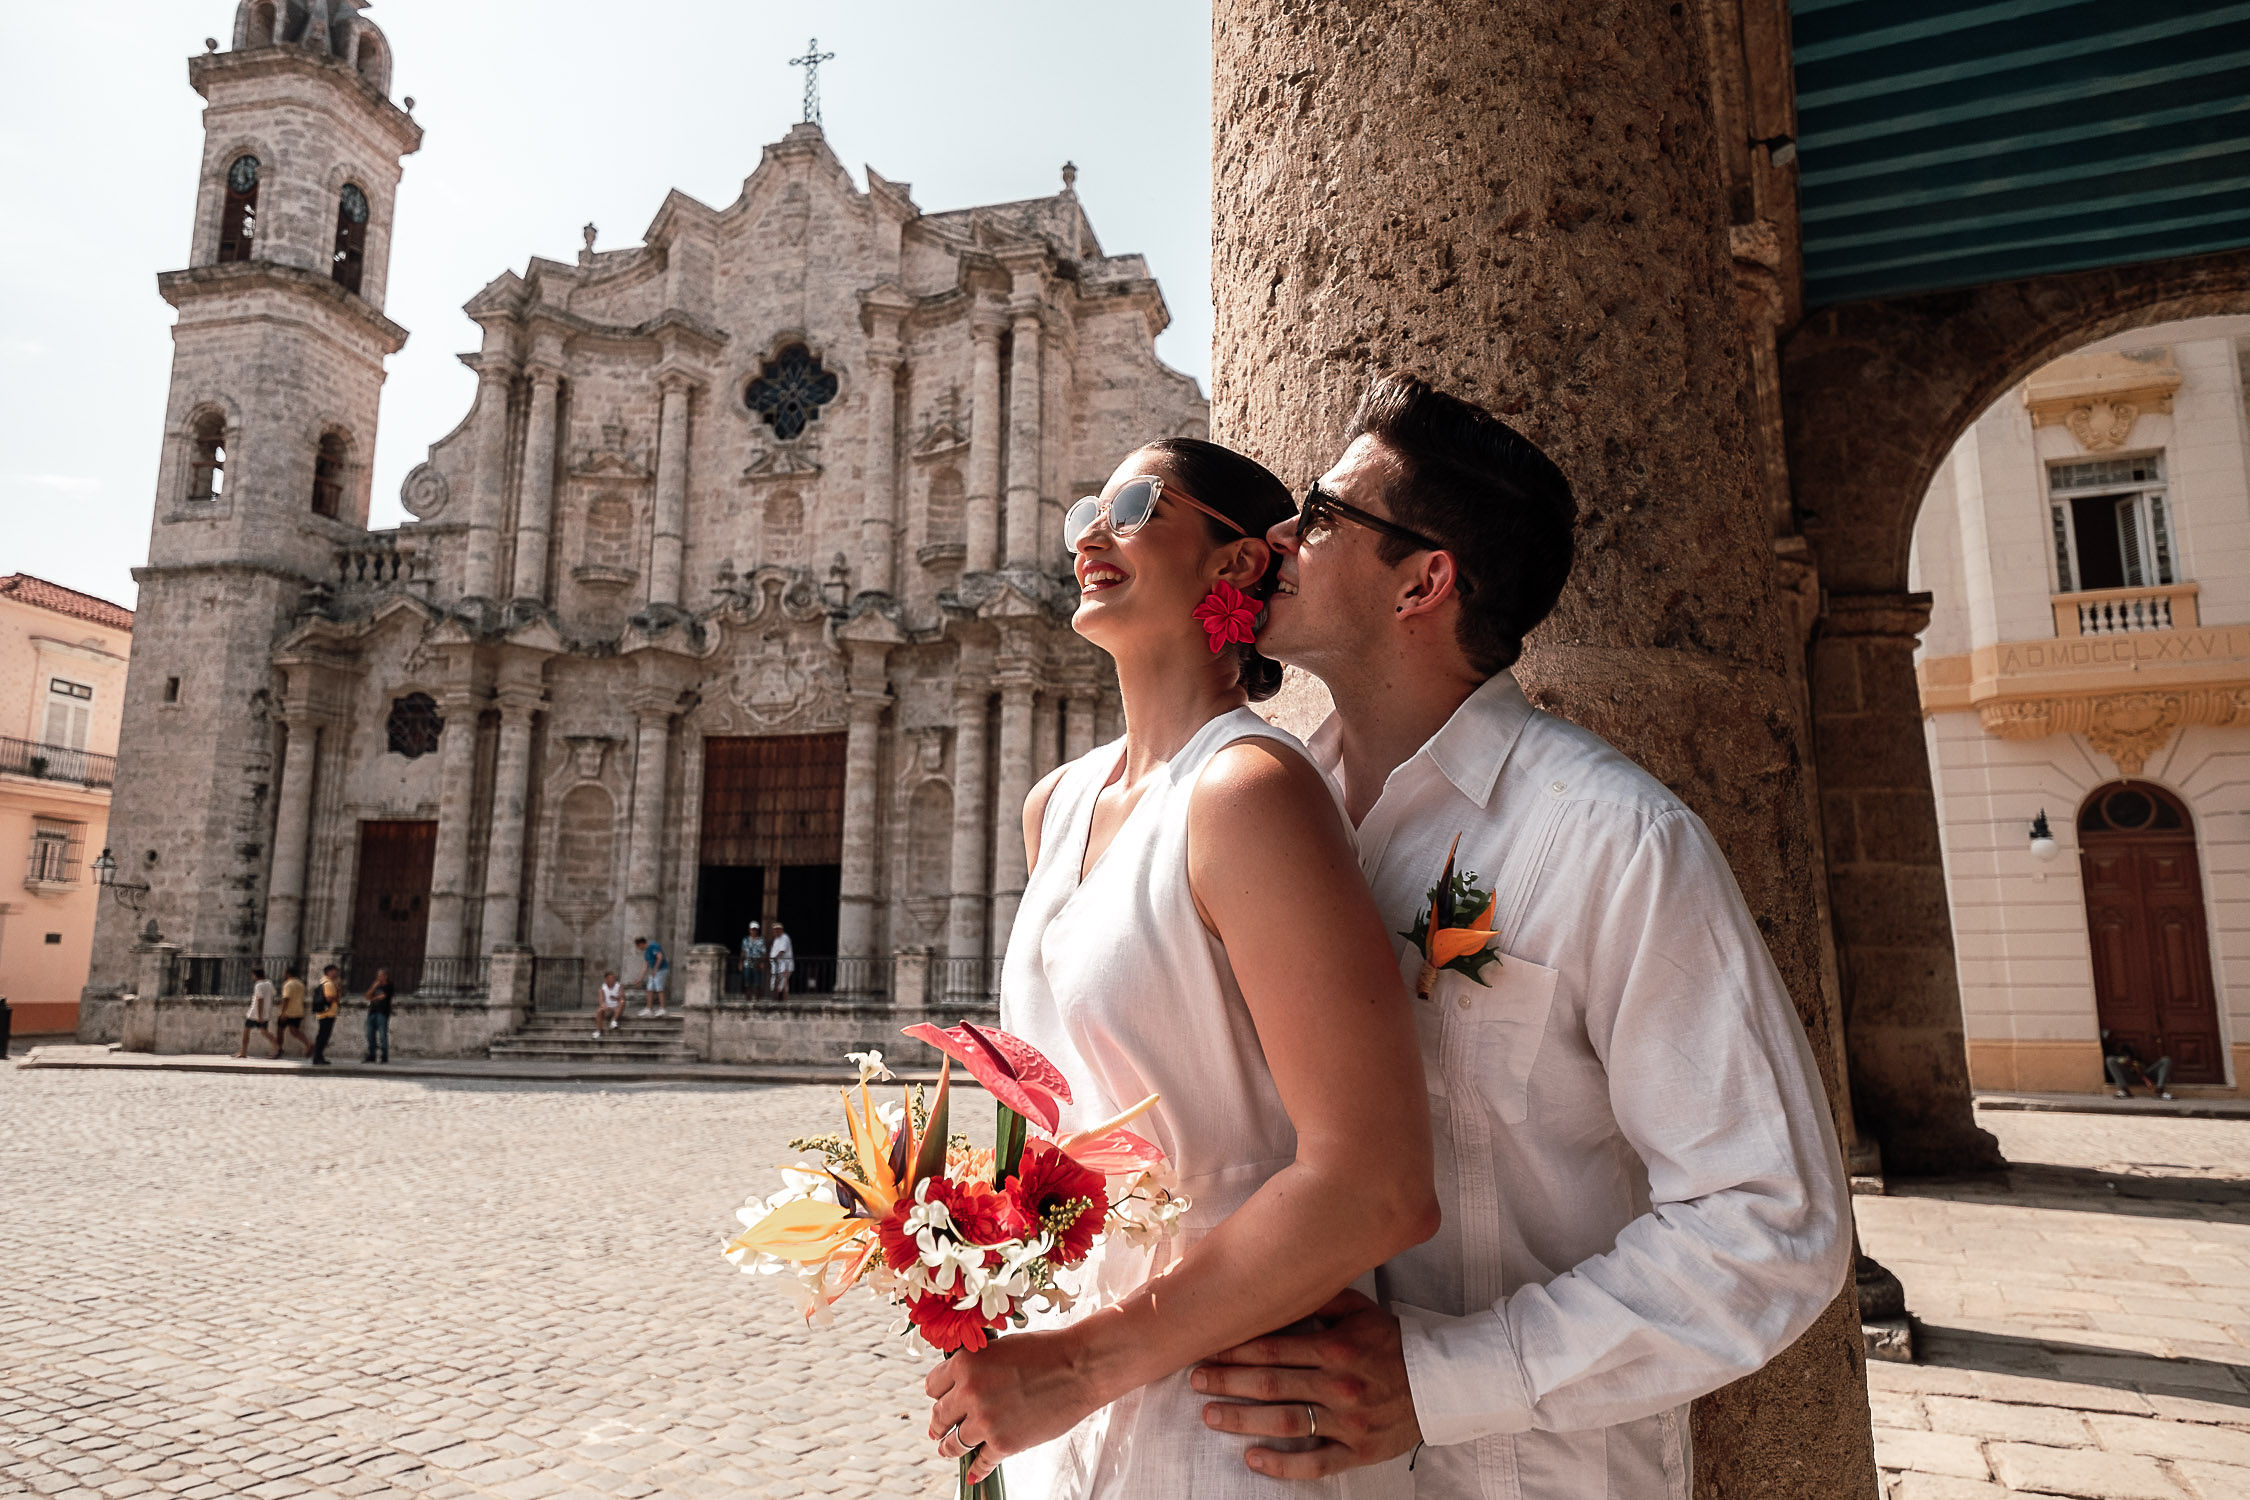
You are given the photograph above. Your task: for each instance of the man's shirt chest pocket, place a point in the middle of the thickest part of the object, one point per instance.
(1487, 1033)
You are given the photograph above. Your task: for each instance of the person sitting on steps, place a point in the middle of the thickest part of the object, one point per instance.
(2125, 1068)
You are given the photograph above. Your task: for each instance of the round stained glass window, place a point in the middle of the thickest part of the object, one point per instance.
(355, 203)
(243, 175)
(790, 391)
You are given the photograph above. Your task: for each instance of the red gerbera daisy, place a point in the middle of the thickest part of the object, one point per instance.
(946, 1327)
(1228, 615)
(1057, 1193)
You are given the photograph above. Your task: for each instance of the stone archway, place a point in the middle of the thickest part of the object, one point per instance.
(1875, 394)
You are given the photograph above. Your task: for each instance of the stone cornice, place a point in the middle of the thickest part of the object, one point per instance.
(209, 68)
(199, 282)
(2099, 396)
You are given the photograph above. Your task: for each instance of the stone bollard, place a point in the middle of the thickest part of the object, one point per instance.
(155, 966)
(910, 980)
(706, 968)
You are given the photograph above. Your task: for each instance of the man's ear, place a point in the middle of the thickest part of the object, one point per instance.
(1430, 580)
(1247, 564)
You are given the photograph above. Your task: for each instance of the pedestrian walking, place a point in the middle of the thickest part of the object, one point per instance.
(753, 962)
(781, 960)
(259, 1017)
(379, 1018)
(292, 1021)
(656, 972)
(329, 1003)
(612, 1003)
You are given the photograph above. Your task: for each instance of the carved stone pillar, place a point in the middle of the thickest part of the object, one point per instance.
(535, 505)
(292, 830)
(1009, 868)
(511, 788)
(480, 574)
(1046, 735)
(644, 840)
(1078, 721)
(449, 861)
(884, 310)
(972, 897)
(1886, 888)
(1023, 439)
(863, 800)
(981, 519)
(670, 523)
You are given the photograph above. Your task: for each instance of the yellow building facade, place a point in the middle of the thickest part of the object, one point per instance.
(2085, 682)
(62, 680)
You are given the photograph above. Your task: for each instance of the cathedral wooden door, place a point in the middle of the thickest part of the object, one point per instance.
(2144, 918)
(391, 911)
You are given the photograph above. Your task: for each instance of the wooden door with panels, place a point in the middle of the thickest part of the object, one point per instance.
(2145, 921)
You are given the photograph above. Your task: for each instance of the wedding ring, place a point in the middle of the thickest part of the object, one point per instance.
(1312, 1419)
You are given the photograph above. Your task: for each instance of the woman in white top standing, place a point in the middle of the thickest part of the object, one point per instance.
(1196, 926)
(259, 1017)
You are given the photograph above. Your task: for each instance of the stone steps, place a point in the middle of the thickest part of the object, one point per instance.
(568, 1036)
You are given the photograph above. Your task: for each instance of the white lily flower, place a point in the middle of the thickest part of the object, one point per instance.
(870, 1065)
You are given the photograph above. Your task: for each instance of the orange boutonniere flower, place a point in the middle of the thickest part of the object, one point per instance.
(1455, 931)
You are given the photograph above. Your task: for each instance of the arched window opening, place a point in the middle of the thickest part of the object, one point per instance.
(328, 476)
(238, 220)
(373, 64)
(261, 25)
(351, 237)
(207, 456)
(414, 725)
(609, 533)
(790, 391)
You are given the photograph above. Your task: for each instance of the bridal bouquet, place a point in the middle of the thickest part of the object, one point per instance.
(967, 1241)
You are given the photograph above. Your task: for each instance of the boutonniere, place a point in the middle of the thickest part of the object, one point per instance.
(1454, 931)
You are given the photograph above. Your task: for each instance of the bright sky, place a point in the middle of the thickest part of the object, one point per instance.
(536, 120)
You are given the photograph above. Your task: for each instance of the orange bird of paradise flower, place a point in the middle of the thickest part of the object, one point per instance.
(1445, 944)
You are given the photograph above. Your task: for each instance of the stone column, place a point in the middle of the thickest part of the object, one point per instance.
(1046, 735)
(535, 504)
(449, 862)
(507, 992)
(480, 574)
(704, 981)
(292, 830)
(1009, 869)
(511, 789)
(863, 800)
(644, 839)
(1886, 888)
(878, 527)
(981, 518)
(1023, 439)
(670, 529)
(964, 918)
(1078, 721)
(1563, 261)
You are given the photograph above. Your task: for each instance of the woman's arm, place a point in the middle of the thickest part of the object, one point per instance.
(1276, 878)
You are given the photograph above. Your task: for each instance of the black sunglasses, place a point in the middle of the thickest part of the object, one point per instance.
(1320, 508)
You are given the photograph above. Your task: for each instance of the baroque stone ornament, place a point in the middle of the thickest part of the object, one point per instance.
(425, 492)
(2129, 728)
(2102, 425)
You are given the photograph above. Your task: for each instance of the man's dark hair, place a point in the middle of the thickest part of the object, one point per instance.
(1462, 477)
(1247, 493)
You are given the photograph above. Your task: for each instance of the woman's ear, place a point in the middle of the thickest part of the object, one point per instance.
(1247, 564)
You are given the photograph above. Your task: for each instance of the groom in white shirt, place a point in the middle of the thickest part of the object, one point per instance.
(1643, 1198)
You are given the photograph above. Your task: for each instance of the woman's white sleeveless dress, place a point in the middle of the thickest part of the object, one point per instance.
(1117, 980)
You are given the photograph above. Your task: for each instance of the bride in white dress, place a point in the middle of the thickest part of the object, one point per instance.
(1196, 926)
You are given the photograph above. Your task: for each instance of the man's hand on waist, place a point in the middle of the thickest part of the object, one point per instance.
(1345, 1384)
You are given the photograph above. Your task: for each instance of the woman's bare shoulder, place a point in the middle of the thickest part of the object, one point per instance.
(1035, 813)
(1262, 785)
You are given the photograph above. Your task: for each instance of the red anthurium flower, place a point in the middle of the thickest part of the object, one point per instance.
(1228, 615)
(1010, 1068)
(1063, 1196)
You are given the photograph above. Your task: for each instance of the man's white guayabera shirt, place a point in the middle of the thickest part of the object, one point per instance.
(1642, 1191)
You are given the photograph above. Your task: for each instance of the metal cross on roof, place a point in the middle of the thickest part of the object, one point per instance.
(811, 62)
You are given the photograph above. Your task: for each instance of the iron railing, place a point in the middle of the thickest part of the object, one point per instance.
(559, 983)
(818, 976)
(57, 763)
(229, 974)
(426, 978)
(964, 981)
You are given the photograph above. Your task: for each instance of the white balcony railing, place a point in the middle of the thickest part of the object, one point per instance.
(2170, 606)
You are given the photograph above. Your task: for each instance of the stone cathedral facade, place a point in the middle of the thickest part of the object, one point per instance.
(737, 594)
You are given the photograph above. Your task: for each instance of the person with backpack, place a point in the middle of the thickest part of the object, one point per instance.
(292, 1022)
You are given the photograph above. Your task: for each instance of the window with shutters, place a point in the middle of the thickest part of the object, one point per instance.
(2111, 524)
(70, 713)
(55, 848)
(238, 218)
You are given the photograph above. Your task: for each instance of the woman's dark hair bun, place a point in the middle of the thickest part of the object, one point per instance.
(1247, 493)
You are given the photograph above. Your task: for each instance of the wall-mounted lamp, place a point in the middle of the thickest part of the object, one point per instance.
(2043, 845)
(127, 892)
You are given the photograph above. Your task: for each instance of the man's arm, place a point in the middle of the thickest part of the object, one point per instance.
(1745, 1242)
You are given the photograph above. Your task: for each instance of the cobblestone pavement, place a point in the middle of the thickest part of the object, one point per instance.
(213, 1285)
(2085, 1322)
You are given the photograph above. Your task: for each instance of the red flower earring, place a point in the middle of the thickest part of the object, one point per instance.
(1228, 615)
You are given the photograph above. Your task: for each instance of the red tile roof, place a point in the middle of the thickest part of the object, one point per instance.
(44, 595)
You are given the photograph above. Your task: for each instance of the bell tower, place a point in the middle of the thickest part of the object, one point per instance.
(277, 366)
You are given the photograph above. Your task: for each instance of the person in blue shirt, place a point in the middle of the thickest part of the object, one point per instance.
(656, 971)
